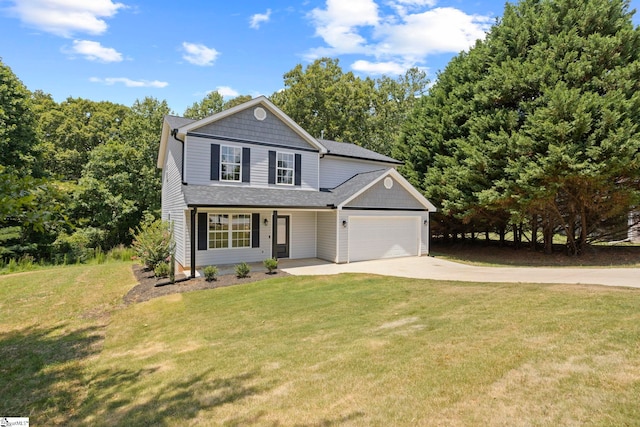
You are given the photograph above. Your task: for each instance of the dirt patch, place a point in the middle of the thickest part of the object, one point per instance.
(149, 286)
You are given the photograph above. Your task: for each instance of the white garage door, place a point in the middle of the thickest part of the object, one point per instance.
(383, 237)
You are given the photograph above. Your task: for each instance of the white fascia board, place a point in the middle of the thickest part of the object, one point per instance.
(164, 141)
(260, 100)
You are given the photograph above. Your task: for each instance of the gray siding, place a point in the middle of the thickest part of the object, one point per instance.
(326, 236)
(198, 164)
(334, 171)
(302, 234)
(173, 204)
(378, 196)
(238, 255)
(243, 125)
(302, 240)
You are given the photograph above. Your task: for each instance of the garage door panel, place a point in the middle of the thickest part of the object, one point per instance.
(383, 237)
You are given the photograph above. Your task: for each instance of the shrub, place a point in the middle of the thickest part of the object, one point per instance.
(242, 270)
(270, 264)
(121, 253)
(99, 257)
(79, 246)
(161, 269)
(153, 243)
(210, 273)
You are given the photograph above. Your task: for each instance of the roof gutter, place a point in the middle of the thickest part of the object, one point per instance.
(392, 162)
(204, 205)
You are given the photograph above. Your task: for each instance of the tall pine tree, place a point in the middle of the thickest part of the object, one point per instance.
(537, 124)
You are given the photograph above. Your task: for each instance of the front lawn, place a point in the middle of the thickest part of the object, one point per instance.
(334, 350)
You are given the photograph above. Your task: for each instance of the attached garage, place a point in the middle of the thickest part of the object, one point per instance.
(375, 237)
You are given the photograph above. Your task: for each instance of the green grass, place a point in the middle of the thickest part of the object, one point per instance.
(334, 350)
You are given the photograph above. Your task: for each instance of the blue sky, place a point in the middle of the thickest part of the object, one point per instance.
(125, 50)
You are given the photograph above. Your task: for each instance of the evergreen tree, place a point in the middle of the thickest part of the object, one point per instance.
(538, 123)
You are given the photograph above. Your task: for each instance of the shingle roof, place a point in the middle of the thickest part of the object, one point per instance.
(334, 148)
(220, 196)
(175, 122)
(347, 149)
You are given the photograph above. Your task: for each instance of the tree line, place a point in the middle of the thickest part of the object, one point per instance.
(78, 175)
(535, 129)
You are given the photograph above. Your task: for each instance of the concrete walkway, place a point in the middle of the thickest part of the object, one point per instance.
(434, 268)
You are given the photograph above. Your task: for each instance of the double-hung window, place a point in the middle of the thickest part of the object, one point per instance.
(230, 163)
(218, 231)
(229, 231)
(285, 167)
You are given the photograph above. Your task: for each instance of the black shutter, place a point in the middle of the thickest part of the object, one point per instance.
(246, 164)
(272, 167)
(255, 230)
(203, 224)
(215, 162)
(298, 170)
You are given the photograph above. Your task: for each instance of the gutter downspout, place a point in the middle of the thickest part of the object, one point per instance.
(193, 242)
(174, 134)
(274, 235)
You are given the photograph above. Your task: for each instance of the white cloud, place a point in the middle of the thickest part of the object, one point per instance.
(436, 31)
(377, 68)
(227, 91)
(402, 35)
(259, 18)
(402, 7)
(66, 17)
(110, 81)
(94, 51)
(429, 3)
(199, 54)
(338, 24)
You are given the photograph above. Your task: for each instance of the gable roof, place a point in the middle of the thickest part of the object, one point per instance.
(183, 125)
(168, 125)
(263, 102)
(353, 151)
(398, 178)
(253, 197)
(176, 122)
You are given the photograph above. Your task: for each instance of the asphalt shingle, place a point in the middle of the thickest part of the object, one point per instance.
(347, 149)
(229, 196)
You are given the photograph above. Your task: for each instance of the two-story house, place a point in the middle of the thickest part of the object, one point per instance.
(249, 183)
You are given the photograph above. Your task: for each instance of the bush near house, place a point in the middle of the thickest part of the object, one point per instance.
(153, 243)
(242, 270)
(270, 264)
(161, 269)
(210, 273)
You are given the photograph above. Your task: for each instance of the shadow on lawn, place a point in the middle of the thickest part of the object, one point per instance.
(40, 374)
(116, 398)
(43, 376)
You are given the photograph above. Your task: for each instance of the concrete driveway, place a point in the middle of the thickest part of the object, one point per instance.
(426, 267)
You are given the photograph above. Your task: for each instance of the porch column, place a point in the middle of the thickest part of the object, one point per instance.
(274, 235)
(193, 242)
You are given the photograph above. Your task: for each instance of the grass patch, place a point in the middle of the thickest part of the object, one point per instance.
(53, 322)
(347, 349)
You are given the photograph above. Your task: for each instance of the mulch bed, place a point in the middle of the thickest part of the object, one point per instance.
(149, 287)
